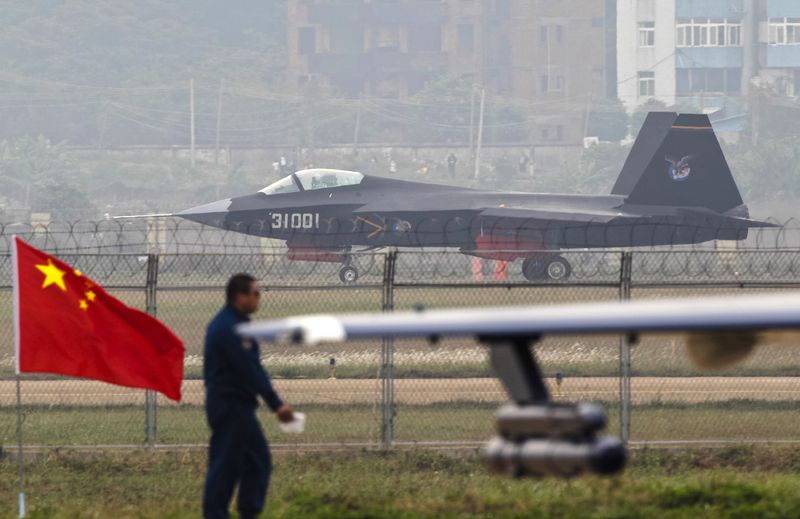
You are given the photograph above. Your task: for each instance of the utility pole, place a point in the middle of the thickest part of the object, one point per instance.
(219, 120)
(191, 120)
(479, 144)
(586, 119)
(308, 113)
(357, 129)
(472, 125)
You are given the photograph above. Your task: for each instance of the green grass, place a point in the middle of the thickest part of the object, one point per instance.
(356, 424)
(727, 483)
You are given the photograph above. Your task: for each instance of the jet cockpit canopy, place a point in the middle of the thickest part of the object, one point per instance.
(311, 179)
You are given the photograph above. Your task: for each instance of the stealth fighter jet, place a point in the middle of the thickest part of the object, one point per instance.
(674, 188)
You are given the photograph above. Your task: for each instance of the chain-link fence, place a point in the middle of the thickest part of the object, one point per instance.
(383, 393)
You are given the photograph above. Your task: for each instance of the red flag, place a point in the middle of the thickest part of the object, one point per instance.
(67, 324)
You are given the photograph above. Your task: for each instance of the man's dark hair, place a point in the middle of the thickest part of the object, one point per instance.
(238, 284)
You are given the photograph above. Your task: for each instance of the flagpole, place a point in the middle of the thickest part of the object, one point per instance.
(19, 452)
(20, 460)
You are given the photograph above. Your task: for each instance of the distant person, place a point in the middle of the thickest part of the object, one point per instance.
(452, 160)
(524, 161)
(504, 170)
(284, 165)
(238, 453)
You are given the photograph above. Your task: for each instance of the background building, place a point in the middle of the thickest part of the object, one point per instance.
(557, 58)
(685, 52)
(779, 45)
(706, 54)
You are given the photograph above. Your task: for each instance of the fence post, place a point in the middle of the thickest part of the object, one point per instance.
(625, 353)
(387, 356)
(150, 397)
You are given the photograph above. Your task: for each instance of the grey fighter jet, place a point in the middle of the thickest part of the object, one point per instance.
(674, 188)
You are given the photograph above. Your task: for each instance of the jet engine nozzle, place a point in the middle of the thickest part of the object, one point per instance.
(549, 420)
(560, 458)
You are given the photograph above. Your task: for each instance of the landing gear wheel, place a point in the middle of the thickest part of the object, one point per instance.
(558, 269)
(534, 269)
(348, 275)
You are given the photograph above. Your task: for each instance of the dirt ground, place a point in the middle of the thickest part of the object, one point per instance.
(425, 391)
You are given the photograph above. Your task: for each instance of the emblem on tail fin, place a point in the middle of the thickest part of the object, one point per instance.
(679, 169)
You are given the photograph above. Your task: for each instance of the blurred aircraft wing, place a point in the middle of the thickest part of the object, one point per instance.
(718, 314)
(720, 331)
(537, 436)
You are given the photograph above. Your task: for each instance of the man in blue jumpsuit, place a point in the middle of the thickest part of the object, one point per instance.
(234, 378)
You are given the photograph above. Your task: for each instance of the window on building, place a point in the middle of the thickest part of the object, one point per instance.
(306, 40)
(708, 80)
(553, 133)
(552, 81)
(784, 31)
(466, 37)
(647, 34)
(425, 37)
(387, 37)
(735, 35)
(551, 33)
(708, 32)
(647, 84)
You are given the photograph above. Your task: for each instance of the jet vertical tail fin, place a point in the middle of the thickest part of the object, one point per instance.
(677, 161)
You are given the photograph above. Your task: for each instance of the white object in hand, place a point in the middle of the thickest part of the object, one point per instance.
(296, 426)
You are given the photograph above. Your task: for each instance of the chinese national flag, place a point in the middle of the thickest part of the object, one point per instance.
(67, 324)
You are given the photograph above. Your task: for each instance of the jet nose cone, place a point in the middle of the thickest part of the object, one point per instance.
(220, 206)
(207, 213)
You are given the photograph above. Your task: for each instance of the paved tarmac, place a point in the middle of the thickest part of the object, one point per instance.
(425, 391)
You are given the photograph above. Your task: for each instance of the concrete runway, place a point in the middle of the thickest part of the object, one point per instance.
(425, 391)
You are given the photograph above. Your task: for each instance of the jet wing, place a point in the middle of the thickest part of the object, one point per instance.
(522, 213)
(565, 215)
(713, 324)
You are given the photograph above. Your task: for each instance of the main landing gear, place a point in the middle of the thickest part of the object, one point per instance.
(348, 274)
(551, 267)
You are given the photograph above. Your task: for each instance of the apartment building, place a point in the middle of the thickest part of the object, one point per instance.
(706, 54)
(690, 52)
(779, 45)
(554, 56)
(382, 48)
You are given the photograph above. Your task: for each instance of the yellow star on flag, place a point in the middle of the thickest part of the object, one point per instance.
(53, 275)
(84, 305)
(91, 296)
